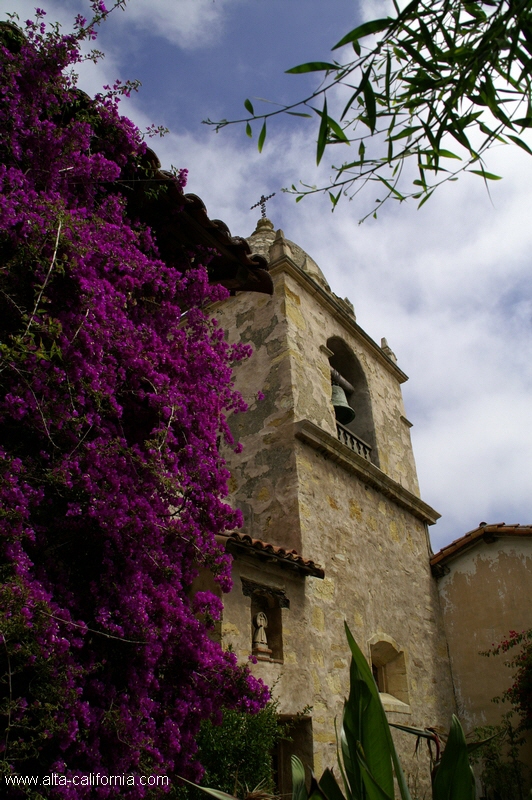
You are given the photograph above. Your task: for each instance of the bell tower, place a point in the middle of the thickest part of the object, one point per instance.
(333, 520)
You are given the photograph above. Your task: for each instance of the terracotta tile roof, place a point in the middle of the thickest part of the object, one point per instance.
(484, 532)
(180, 222)
(238, 542)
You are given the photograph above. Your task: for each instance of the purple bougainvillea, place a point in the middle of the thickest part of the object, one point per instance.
(112, 400)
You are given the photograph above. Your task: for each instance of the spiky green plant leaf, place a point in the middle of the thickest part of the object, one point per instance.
(454, 778)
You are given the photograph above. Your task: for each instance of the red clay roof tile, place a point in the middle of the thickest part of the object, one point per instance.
(243, 541)
(485, 532)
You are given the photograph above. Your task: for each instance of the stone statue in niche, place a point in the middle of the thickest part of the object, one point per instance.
(260, 640)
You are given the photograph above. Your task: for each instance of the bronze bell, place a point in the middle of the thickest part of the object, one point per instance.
(343, 411)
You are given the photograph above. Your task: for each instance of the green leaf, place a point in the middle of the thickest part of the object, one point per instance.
(422, 203)
(389, 186)
(371, 111)
(388, 77)
(249, 132)
(329, 786)
(374, 26)
(448, 154)
(299, 114)
(322, 133)
(520, 142)
(416, 56)
(355, 725)
(359, 666)
(315, 791)
(454, 778)
(428, 39)
(487, 175)
(414, 731)
(350, 102)
(262, 137)
(249, 107)
(412, 9)
(337, 130)
(365, 722)
(491, 134)
(406, 132)
(299, 790)
(472, 746)
(311, 66)
(461, 138)
(334, 198)
(474, 10)
(373, 790)
(333, 126)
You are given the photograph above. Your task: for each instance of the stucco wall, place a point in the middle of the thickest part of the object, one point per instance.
(486, 593)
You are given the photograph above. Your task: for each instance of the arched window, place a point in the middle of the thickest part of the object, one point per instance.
(347, 367)
(388, 665)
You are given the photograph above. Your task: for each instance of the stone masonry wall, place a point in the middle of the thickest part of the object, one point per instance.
(374, 550)
(263, 477)
(378, 579)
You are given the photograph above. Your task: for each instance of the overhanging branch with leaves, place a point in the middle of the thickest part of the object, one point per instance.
(436, 72)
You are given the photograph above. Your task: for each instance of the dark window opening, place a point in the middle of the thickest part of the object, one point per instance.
(378, 677)
(298, 743)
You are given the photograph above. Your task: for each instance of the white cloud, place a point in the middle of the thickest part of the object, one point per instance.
(189, 24)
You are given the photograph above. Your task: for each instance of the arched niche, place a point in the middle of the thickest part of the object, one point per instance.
(347, 364)
(388, 666)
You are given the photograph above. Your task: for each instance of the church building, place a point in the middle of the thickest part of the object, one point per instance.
(334, 527)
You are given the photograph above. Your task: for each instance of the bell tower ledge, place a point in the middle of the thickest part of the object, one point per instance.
(334, 450)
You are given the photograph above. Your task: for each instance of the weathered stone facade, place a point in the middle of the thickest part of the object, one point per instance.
(351, 505)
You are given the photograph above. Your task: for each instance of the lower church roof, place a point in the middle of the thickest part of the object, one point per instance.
(484, 532)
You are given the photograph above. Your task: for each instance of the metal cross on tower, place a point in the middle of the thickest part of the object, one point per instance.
(262, 204)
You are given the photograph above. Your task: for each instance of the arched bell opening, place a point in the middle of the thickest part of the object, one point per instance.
(350, 394)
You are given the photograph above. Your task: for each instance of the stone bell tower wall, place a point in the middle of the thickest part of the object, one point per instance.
(316, 316)
(356, 513)
(290, 366)
(263, 480)
(377, 578)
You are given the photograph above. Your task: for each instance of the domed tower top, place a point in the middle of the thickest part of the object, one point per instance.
(264, 236)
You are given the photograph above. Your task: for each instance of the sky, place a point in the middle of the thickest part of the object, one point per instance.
(449, 285)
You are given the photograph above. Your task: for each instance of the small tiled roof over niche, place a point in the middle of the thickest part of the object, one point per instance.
(241, 542)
